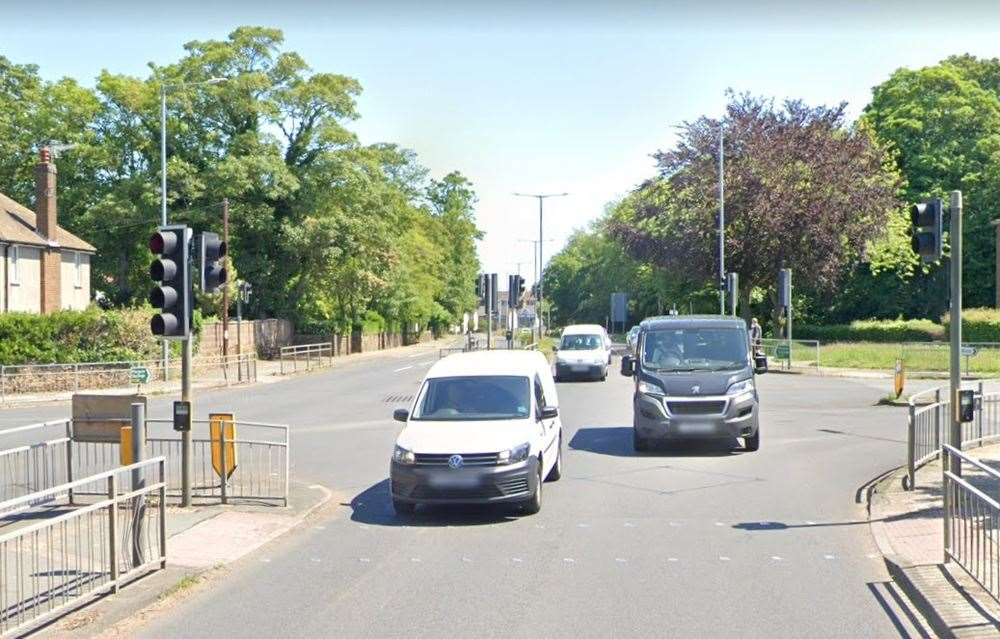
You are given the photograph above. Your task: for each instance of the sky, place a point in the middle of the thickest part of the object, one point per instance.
(532, 97)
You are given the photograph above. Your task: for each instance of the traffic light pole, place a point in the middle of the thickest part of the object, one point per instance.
(955, 437)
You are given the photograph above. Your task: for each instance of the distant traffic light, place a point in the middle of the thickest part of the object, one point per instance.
(519, 287)
(213, 271)
(928, 228)
(171, 271)
(511, 291)
(480, 286)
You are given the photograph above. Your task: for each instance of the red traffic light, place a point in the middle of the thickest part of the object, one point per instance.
(163, 242)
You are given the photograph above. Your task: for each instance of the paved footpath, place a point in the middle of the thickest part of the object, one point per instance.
(908, 530)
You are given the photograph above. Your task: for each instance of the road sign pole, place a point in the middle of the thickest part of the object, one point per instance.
(138, 478)
(955, 438)
(225, 287)
(186, 435)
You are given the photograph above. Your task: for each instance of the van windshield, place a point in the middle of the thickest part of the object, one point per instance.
(695, 349)
(479, 397)
(580, 342)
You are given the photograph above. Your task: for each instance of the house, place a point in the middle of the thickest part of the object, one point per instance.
(43, 268)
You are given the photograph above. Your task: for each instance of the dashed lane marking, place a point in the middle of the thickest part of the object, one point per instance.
(400, 370)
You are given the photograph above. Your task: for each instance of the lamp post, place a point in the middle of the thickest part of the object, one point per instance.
(541, 263)
(164, 88)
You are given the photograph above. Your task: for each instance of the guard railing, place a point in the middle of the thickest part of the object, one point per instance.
(55, 559)
(786, 354)
(305, 356)
(971, 517)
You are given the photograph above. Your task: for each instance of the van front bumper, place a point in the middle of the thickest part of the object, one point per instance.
(589, 370)
(710, 417)
(416, 484)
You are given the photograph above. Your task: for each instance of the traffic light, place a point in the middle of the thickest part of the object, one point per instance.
(479, 286)
(928, 227)
(494, 293)
(172, 293)
(519, 286)
(512, 291)
(213, 271)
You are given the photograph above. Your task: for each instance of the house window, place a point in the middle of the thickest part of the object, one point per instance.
(78, 265)
(15, 268)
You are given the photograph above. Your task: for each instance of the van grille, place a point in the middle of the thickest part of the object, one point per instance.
(696, 408)
(471, 459)
(421, 491)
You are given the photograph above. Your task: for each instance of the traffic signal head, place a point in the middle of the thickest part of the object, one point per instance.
(213, 270)
(479, 286)
(520, 288)
(171, 272)
(928, 228)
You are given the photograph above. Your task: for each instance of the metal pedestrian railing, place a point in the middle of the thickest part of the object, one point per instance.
(41, 378)
(261, 454)
(971, 517)
(929, 419)
(54, 559)
(788, 353)
(313, 356)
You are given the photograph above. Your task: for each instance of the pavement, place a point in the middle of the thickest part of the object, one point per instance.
(907, 527)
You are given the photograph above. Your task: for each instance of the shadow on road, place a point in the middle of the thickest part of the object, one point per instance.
(617, 441)
(373, 506)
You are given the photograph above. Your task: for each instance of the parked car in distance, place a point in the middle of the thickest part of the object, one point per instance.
(484, 428)
(694, 379)
(583, 351)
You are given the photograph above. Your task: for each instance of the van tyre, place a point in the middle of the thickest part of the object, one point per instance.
(403, 508)
(534, 504)
(556, 471)
(752, 443)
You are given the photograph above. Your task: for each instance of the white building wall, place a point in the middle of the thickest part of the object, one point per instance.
(74, 280)
(24, 280)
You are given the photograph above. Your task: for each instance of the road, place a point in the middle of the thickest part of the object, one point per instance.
(700, 540)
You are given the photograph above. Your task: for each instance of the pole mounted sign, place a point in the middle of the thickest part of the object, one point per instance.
(139, 375)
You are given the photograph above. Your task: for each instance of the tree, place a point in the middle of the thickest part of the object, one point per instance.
(803, 190)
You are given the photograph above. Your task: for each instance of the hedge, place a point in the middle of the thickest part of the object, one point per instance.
(93, 335)
(873, 331)
(978, 325)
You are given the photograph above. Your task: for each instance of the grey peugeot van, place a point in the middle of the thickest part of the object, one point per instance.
(694, 379)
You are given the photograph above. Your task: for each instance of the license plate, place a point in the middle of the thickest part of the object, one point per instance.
(580, 368)
(452, 481)
(695, 428)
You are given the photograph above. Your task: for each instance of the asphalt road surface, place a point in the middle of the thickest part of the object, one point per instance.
(697, 540)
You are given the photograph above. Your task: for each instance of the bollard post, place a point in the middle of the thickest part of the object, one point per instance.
(224, 485)
(138, 416)
(979, 416)
(911, 431)
(69, 458)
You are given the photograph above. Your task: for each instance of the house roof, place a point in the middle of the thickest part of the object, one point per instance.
(17, 226)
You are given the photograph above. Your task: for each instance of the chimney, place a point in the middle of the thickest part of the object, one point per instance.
(45, 196)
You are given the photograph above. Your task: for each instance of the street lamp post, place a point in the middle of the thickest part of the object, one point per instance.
(541, 263)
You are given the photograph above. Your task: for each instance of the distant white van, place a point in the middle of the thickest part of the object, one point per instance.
(484, 428)
(583, 351)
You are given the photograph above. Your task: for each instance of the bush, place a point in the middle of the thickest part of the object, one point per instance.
(873, 331)
(93, 335)
(978, 325)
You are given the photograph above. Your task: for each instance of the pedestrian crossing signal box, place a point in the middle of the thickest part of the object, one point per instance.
(182, 416)
(966, 406)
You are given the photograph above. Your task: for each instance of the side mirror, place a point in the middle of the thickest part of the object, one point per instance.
(628, 366)
(550, 412)
(401, 414)
(760, 364)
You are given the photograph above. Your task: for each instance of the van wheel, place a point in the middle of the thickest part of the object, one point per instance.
(639, 443)
(752, 443)
(556, 471)
(534, 504)
(403, 508)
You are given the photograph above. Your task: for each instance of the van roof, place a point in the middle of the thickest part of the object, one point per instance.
(583, 329)
(692, 321)
(525, 363)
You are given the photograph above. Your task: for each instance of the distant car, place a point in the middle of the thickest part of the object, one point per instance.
(583, 351)
(484, 428)
(632, 337)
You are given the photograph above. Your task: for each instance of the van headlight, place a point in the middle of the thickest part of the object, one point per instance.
(647, 388)
(514, 455)
(741, 391)
(403, 456)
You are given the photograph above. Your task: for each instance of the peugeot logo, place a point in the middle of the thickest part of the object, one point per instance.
(455, 461)
(695, 389)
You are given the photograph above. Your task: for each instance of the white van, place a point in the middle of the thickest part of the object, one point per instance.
(583, 351)
(484, 428)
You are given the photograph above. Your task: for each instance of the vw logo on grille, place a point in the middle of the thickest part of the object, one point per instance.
(455, 461)
(695, 389)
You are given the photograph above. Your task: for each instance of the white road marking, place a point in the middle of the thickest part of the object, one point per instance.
(776, 558)
(415, 560)
(266, 560)
(828, 557)
(568, 560)
(400, 370)
(810, 523)
(414, 355)
(466, 560)
(723, 558)
(315, 560)
(719, 523)
(583, 525)
(319, 527)
(629, 524)
(621, 560)
(364, 560)
(673, 559)
(516, 560)
(427, 363)
(675, 524)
